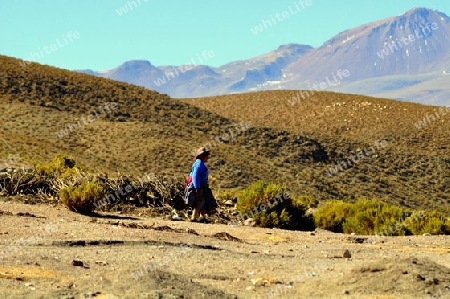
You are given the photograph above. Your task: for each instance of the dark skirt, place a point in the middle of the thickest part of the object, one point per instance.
(203, 200)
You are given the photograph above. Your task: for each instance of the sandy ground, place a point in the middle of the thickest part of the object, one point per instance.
(47, 251)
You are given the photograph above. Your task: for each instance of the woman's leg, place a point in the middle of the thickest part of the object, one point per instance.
(195, 213)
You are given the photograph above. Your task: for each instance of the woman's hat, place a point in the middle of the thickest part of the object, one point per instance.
(202, 151)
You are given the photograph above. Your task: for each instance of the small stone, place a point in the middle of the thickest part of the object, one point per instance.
(353, 234)
(176, 218)
(426, 234)
(191, 231)
(257, 281)
(250, 288)
(428, 282)
(229, 203)
(250, 222)
(312, 233)
(77, 263)
(346, 292)
(347, 254)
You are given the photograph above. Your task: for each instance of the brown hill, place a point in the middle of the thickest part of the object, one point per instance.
(147, 132)
(413, 160)
(144, 131)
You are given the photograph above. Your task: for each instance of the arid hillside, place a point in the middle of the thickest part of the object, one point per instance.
(415, 156)
(328, 145)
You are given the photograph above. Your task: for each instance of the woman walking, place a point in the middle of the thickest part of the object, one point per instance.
(198, 195)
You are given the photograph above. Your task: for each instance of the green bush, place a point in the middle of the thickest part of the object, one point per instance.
(366, 217)
(61, 166)
(271, 206)
(259, 193)
(375, 217)
(434, 223)
(331, 216)
(81, 198)
(307, 201)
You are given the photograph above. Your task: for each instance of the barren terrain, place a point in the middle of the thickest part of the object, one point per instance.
(61, 254)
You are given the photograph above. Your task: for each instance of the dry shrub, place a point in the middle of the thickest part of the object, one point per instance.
(15, 182)
(81, 198)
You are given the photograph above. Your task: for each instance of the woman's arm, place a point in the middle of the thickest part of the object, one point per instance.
(196, 174)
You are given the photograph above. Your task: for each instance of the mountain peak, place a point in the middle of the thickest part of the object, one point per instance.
(419, 11)
(423, 14)
(294, 46)
(136, 63)
(421, 17)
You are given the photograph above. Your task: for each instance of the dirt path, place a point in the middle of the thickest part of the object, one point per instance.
(50, 252)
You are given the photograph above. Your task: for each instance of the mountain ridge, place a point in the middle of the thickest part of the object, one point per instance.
(200, 80)
(411, 43)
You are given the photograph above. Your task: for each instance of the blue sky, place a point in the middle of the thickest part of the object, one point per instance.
(99, 35)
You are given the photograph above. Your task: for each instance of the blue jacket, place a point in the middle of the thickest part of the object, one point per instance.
(199, 174)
